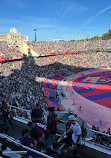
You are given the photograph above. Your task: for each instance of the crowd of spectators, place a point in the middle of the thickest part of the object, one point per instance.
(102, 139)
(7, 51)
(18, 79)
(45, 47)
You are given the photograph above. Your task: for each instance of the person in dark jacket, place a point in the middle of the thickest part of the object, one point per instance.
(5, 113)
(50, 114)
(37, 114)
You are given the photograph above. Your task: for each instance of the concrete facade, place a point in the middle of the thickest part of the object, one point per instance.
(14, 38)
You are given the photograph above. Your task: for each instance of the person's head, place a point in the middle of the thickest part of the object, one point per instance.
(55, 145)
(54, 117)
(93, 127)
(37, 106)
(72, 119)
(25, 133)
(30, 124)
(3, 147)
(40, 146)
(50, 109)
(4, 103)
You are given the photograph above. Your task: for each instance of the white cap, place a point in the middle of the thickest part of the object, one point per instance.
(71, 117)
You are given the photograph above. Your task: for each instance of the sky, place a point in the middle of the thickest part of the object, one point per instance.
(57, 19)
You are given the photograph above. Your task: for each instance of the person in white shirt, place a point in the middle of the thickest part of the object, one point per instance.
(76, 135)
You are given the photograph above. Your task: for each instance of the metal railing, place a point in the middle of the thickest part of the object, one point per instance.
(19, 144)
(20, 112)
(90, 132)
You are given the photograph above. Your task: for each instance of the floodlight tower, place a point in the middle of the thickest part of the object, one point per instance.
(35, 33)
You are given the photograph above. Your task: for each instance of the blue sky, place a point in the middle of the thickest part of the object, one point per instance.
(59, 19)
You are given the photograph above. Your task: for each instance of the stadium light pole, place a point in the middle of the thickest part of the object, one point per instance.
(35, 33)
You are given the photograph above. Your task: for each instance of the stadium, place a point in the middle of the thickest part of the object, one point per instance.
(70, 76)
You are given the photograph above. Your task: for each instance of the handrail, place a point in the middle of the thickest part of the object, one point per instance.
(15, 142)
(99, 132)
(14, 152)
(18, 108)
(98, 144)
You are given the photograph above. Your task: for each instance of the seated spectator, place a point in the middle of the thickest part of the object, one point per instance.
(26, 140)
(42, 132)
(37, 114)
(108, 131)
(52, 151)
(3, 128)
(3, 148)
(39, 147)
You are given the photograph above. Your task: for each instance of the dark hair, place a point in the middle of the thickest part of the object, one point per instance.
(55, 144)
(3, 147)
(37, 104)
(51, 108)
(40, 145)
(53, 115)
(29, 123)
(24, 131)
(4, 103)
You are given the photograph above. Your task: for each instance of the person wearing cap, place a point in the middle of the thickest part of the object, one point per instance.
(76, 135)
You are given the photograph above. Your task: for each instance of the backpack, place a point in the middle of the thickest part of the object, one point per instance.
(84, 131)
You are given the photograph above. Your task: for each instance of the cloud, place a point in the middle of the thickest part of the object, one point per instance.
(66, 11)
(95, 16)
(72, 7)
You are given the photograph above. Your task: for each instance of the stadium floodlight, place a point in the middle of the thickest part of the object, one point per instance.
(35, 33)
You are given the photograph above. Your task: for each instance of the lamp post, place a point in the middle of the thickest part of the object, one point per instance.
(35, 33)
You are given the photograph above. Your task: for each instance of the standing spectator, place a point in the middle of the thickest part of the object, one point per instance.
(53, 126)
(37, 114)
(50, 114)
(68, 139)
(76, 134)
(5, 113)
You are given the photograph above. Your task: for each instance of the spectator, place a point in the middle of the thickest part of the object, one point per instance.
(76, 134)
(50, 114)
(53, 126)
(37, 114)
(52, 151)
(42, 132)
(39, 147)
(3, 128)
(26, 140)
(5, 113)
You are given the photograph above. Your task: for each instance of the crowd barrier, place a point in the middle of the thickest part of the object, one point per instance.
(20, 113)
(60, 53)
(10, 58)
(16, 142)
(94, 137)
